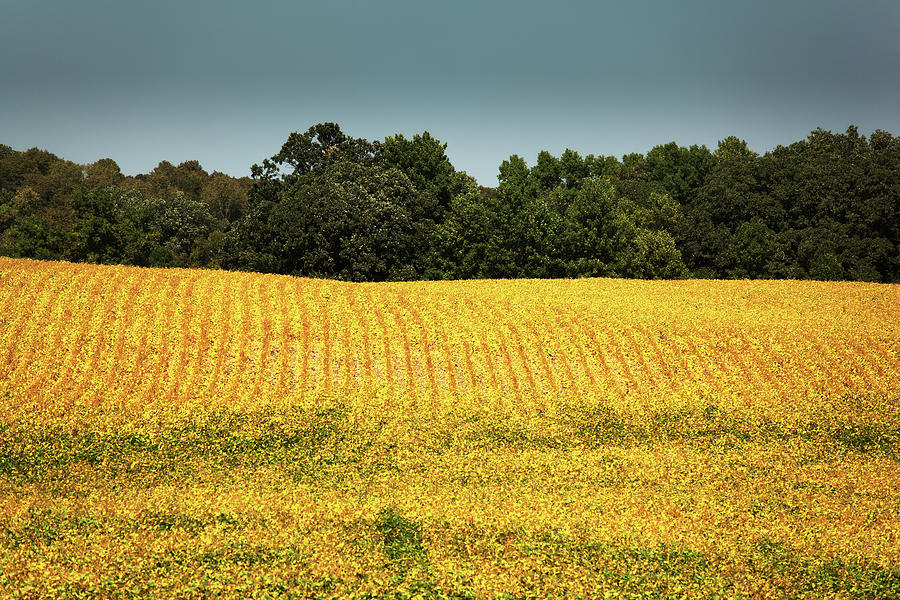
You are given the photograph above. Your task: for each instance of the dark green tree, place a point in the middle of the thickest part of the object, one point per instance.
(177, 220)
(734, 192)
(469, 242)
(304, 153)
(753, 252)
(27, 229)
(114, 226)
(546, 172)
(335, 206)
(346, 221)
(607, 235)
(681, 171)
(424, 161)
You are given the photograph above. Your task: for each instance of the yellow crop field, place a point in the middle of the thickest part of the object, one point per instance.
(192, 434)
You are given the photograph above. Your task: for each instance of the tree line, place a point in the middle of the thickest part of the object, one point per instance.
(330, 205)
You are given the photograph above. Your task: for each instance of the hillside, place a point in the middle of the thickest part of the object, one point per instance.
(174, 429)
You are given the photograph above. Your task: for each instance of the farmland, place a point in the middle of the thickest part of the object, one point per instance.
(193, 433)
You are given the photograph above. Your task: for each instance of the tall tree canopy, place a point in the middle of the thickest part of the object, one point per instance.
(335, 206)
(331, 205)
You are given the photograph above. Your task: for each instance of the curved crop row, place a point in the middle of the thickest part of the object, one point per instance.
(96, 336)
(186, 433)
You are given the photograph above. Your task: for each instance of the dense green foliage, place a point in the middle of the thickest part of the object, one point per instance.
(330, 205)
(57, 210)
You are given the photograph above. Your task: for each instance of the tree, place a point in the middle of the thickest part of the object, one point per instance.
(225, 197)
(335, 206)
(16, 166)
(529, 225)
(166, 179)
(322, 145)
(681, 171)
(26, 231)
(31, 236)
(596, 232)
(546, 172)
(103, 173)
(607, 235)
(826, 267)
(840, 220)
(424, 161)
(98, 233)
(734, 148)
(208, 251)
(178, 220)
(468, 243)
(114, 226)
(754, 251)
(604, 167)
(346, 221)
(735, 191)
(573, 169)
(875, 215)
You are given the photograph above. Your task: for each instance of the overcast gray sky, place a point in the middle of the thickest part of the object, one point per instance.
(226, 82)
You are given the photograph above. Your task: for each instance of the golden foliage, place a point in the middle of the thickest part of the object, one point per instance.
(232, 433)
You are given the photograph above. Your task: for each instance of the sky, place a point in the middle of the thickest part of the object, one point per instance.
(226, 82)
